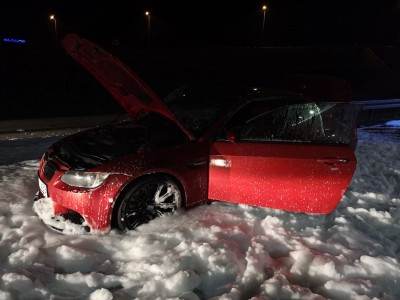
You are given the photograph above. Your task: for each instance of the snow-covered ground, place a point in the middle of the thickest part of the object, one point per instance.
(219, 250)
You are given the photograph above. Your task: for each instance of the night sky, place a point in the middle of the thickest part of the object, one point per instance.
(41, 78)
(235, 22)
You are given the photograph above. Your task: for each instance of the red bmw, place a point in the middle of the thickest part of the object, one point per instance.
(252, 146)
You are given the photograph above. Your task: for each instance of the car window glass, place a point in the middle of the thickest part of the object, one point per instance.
(326, 123)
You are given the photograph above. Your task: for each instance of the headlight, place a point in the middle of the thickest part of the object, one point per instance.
(84, 179)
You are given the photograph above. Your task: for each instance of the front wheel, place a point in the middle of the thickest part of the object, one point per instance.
(146, 200)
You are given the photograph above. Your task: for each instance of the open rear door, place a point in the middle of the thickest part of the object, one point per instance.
(120, 81)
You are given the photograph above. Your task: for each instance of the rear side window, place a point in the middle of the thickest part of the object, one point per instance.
(320, 123)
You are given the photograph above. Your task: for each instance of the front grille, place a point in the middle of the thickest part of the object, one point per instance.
(49, 169)
(75, 218)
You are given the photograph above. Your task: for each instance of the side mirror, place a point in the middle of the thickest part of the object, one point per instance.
(231, 136)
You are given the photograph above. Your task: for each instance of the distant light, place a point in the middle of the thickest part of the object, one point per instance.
(52, 17)
(147, 13)
(14, 40)
(264, 8)
(312, 112)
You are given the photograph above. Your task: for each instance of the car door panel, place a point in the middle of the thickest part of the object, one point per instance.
(292, 177)
(295, 156)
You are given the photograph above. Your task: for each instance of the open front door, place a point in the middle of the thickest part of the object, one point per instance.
(296, 157)
(120, 81)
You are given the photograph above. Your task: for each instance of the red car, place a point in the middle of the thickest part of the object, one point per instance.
(251, 146)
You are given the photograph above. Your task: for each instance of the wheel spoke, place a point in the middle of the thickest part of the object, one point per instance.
(131, 214)
(156, 197)
(150, 201)
(164, 197)
(166, 205)
(159, 197)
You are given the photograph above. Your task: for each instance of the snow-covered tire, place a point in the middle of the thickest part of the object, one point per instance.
(145, 200)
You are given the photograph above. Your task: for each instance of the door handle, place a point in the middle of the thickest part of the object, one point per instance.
(198, 163)
(220, 162)
(333, 160)
(343, 160)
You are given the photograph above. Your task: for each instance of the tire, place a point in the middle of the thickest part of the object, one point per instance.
(145, 200)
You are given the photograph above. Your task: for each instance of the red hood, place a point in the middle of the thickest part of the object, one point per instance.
(122, 83)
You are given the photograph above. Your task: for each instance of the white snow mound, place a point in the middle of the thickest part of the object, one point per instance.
(216, 251)
(44, 209)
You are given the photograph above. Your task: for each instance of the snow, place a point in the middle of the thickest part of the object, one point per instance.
(101, 294)
(44, 209)
(216, 251)
(394, 123)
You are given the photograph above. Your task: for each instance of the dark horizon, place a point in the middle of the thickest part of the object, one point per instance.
(341, 39)
(187, 23)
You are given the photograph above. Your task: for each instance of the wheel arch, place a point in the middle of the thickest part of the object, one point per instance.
(130, 184)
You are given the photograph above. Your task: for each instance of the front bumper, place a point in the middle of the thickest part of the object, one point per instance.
(44, 208)
(90, 209)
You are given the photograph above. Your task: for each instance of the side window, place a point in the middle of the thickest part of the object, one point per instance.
(321, 123)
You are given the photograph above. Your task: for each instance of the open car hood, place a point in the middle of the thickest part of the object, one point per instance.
(121, 82)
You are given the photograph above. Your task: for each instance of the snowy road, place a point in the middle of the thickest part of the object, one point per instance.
(222, 251)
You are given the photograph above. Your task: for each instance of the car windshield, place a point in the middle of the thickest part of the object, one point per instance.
(198, 108)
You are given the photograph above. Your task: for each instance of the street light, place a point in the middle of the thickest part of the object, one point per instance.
(264, 9)
(52, 18)
(148, 15)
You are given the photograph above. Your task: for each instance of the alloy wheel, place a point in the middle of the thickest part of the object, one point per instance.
(147, 201)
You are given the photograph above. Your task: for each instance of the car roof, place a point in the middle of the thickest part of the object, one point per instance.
(291, 89)
(164, 68)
